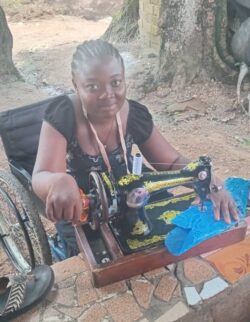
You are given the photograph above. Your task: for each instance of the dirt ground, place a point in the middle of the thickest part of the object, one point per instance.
(202, 119)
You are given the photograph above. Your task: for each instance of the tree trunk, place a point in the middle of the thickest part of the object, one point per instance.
(7, 68)
(195, 38)
(124, 25)
(194, 41)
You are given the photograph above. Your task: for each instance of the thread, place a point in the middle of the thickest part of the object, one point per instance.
(137, 164)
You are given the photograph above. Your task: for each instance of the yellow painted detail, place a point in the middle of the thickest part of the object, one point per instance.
(168, 216)
(139, 228)
(192, 166)
(154, 186)
(126, 180)
(107, 181)
(170, 201)
(136, 243)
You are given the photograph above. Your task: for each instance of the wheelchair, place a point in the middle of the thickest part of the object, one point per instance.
(22, 232)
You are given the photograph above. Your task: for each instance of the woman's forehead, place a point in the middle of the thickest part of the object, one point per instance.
(98, 67)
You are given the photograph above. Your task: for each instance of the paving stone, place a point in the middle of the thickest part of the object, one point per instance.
(73, 311)
(32, 315)
(213, 287)
(192, 295)
(67, 283)
(50, 314)
(96, 313)
(197, 270)
(171, 267)
(143, 291)
(86, 293)
(68, 267)
(64, 297)
(123, 308)
(177, 292)
(111, 290)
(166, 287)
(156, 273)
(175, 313)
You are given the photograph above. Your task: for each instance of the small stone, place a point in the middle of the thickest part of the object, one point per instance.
(175, 313)
(64, 297)
(111, 290)
(197, 270)
(67, 283)
(155, 273)
(73, 311)
(68, 268)
(166, 287)
(143, 291)
(123, 308)
(86, 293)
(177, 292)
(96, 312)
(213, 287)
(31, 316)
(192, 295)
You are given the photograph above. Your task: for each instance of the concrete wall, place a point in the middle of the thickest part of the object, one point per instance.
(149, 11)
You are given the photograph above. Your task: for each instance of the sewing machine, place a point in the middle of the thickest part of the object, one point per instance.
(125, 222)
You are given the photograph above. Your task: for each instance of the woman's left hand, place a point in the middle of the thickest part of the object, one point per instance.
(223, 205)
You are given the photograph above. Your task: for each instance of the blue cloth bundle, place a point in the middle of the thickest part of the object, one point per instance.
(193, 226)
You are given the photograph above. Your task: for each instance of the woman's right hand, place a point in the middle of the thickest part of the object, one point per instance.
(63, 200)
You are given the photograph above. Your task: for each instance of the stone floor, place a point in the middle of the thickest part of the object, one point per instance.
(214, 287)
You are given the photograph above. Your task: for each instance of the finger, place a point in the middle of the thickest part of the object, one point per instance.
(216, 210)
(57, 213)
(225, 211)
(77, 213)
(68, 213)
(196, 201)
(233, 211)
(49, 211)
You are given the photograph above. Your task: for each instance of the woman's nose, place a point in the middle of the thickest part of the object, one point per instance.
(107, 93)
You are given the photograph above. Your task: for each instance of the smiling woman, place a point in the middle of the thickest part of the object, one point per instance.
(94, 130)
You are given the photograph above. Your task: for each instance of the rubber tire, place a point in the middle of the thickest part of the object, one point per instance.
(22, 199)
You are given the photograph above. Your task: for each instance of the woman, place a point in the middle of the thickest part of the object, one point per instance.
(95, 130)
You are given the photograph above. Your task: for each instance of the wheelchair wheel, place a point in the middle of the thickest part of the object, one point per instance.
(21, 231)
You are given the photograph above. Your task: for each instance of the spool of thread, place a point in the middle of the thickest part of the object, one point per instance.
(137, 164)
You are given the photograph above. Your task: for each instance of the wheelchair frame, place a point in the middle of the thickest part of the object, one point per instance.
(22, 233)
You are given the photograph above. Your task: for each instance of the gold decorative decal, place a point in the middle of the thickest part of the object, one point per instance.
(192, 166)
(167, 202)
(154, 186)
(139, 228)
(168, 216)
(107, 181)
(126, 180)
(136, 243)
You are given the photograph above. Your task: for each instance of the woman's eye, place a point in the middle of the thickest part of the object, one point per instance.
(92, 87)
(116, 83)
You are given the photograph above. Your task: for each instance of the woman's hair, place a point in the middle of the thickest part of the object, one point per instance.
(90, 49)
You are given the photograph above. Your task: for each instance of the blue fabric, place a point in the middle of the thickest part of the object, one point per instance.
(193, 226)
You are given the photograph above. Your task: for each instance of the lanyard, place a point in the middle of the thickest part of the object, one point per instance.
(102, 148)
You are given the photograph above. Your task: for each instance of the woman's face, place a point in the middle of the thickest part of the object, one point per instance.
(101, 87)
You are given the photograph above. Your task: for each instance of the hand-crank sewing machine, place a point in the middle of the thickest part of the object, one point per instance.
(125, 222)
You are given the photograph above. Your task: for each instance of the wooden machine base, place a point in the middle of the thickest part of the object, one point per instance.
(121, 267)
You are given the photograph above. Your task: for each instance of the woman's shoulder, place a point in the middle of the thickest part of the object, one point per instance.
(60, 114)
(135, 106)
(140, 122)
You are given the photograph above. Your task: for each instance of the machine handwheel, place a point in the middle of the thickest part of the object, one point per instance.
(99, 211)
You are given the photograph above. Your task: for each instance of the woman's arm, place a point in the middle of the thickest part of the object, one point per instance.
(50, 181)
(163, 156)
